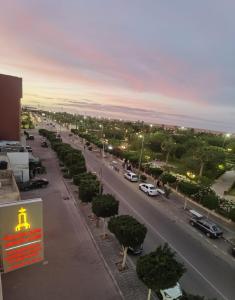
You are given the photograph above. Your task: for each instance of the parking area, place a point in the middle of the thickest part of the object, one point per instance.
(72, 264)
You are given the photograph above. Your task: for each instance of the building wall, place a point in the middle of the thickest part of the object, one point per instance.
(19, 162)
(10, 95)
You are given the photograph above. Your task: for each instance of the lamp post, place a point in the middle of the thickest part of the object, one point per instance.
(141, 154)
(227, 135)
(102, 135)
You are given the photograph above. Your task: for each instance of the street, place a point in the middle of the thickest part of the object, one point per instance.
(208, 273)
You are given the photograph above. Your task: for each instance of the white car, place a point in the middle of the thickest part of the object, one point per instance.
(149, 189)
(131, 176)
(173, 293)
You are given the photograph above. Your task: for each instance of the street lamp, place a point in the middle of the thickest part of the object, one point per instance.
(227, 135)
(141, 154)
(102, 134)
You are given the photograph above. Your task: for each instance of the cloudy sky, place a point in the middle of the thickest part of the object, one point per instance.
(161, 61)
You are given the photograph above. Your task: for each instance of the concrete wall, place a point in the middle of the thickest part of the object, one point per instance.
(19, 162)
(10, 95)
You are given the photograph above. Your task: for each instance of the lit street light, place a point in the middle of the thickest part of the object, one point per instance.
(227, 135)
(141, 154)
(102, 134)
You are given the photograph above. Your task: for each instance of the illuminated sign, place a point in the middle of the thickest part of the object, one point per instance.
(22, 218)
(21, 234)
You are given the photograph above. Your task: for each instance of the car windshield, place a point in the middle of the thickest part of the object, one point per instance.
(134, 176)
(215, 228)
(152, 188)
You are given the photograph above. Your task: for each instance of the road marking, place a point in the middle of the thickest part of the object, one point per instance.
(164, 239)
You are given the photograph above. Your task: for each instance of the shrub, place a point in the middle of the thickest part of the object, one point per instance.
(143, 177)
(77, 169)
(188, 188)
(210, 201)
(232, 214)
(105, 206)
(88, 189)
(168, 178)
(83, 176)
(156, 172)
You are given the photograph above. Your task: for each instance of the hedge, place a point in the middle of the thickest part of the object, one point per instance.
(168, 178)
(188, 188)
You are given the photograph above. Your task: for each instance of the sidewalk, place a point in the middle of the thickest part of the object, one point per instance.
(131, 287)
(224, 183)
(72, 269)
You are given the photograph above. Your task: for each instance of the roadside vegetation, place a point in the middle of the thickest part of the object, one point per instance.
(26, 120)
(183, 159)
(159, 269)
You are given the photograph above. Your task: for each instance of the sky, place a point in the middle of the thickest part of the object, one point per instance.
(161, 61)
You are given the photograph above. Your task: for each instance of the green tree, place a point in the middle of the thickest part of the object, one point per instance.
(128, 231)
(104, 206)
(88, 189)
(205, 154)
(168, 146)
(159, 270)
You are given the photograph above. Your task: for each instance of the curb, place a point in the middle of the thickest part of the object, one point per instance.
(94, 242)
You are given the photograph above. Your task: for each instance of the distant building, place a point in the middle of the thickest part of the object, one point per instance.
(10, 95)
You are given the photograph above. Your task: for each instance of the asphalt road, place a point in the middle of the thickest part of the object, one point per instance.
(72, 268)
(208, 272)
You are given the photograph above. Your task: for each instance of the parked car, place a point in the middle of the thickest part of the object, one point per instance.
(39, 183)
(149, 189)
(205, 225)
(30, 137)
(135, 251)
(44, 144)
(173, 293)
(33, 184)
(29, 149)
(131, 176)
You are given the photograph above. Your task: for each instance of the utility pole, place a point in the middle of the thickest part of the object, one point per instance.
(141, 154)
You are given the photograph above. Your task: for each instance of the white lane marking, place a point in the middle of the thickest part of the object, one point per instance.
(163, 238)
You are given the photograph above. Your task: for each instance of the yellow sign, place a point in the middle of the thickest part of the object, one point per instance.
(22, 219)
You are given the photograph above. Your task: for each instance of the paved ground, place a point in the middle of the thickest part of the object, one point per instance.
(206, 260)
(72, 269)
(223, 183)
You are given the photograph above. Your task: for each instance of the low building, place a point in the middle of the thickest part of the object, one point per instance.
(9, 191)
(19, 160)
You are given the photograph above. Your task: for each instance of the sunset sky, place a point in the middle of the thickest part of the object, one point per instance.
(160, 61)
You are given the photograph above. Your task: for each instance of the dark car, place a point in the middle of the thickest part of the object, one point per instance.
(208, 227)
(30, 137)
(33, 184)
(38, 183)
(44, 144)
(29, 149)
